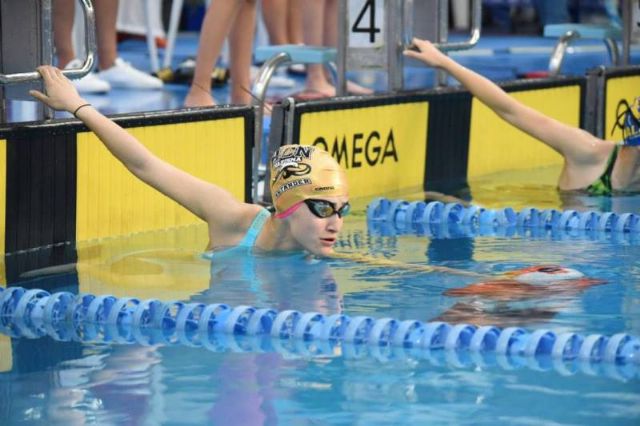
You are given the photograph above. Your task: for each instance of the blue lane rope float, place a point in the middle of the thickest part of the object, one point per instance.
(85, 317)
(474, 220)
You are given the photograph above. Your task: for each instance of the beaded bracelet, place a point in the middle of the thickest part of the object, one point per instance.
(78, 109)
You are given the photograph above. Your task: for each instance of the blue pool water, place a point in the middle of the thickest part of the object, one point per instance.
(237, 381)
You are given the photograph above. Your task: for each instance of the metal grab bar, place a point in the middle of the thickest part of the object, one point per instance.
(259, 95)
(408, 11)
(557, 57)
(476, 24)
(89, 36)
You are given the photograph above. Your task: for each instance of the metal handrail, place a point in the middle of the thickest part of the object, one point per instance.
(476, 24)
(557, 56)
(90, 42)
(259, 96)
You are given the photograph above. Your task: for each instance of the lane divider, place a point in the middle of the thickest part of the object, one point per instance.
(474, 220)
(86, 317)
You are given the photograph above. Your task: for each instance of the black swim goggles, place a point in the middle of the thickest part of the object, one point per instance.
(324, 209)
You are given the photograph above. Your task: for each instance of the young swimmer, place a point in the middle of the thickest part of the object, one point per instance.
(591, 164)
(309, 187)
(309, 190)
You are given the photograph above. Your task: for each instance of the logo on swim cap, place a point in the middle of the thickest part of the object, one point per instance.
(290, 155)
(299, 172)
(292, 169)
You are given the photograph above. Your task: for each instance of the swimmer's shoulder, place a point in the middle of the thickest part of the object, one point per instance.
(231, 232)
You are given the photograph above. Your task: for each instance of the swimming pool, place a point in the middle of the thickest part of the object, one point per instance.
(269, 381)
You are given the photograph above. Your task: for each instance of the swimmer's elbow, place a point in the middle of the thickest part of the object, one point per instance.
(138, 168)
(143, 169)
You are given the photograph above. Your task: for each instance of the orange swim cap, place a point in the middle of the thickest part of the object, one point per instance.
(299, 172)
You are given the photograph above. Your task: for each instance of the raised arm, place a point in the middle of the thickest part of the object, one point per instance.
(573, 143)
(211, 203)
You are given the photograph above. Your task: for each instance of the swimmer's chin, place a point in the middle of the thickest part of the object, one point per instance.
(323, 252)
(326, 252)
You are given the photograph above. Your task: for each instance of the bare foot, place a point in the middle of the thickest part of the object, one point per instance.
(328, 90)
(322, 88)
(356, 89)
(198, 98)
(352, 88)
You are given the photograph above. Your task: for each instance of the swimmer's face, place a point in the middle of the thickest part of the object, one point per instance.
(316, 234)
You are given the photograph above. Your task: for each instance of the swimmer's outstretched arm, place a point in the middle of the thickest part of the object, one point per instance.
(211, 203)
(571, 142)
(389, 263)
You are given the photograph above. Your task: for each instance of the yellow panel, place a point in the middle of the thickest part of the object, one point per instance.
(382, 148)
(111, 201)
(6, 360)
(618, 88)
(495, 145)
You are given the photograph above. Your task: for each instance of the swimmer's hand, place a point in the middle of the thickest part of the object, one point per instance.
(426, 52)
(60, 92)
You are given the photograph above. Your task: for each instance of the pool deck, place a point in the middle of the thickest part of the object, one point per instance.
(498, 57)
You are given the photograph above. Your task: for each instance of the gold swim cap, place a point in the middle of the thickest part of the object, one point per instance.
(300, 172)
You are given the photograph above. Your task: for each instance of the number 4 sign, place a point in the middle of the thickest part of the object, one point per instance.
(366, 21)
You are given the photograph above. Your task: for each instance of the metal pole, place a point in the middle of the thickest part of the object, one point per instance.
(47, 46)
(343, 46)
(3, 107)
(87, 9)
(627, 24)
(394, 43)
(443, 35)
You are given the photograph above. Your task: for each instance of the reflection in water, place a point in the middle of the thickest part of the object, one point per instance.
(286, 281)
(100, 385)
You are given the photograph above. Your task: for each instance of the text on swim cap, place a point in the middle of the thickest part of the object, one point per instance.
(289, 185)
(351, 155)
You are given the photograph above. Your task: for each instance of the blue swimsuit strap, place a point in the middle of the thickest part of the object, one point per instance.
(251, 236)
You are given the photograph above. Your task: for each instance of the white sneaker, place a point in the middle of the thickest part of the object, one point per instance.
(90, 83)
(298, 69)
(123, 75)
(277, 78)
(281, 82)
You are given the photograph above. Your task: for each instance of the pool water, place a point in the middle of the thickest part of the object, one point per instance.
(238, 381)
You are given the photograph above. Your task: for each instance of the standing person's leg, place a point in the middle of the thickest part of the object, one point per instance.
(277, 18)
(275, 15)
(330, 38)
(294, 22)
(313, 21)
(106, 13)
(330, 24)
(216, 25)
(63, 20)
(114, 70)
(283, 20)
(241, 49)
(63, 15)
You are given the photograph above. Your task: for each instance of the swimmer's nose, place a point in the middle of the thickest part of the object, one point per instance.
(334, 223)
